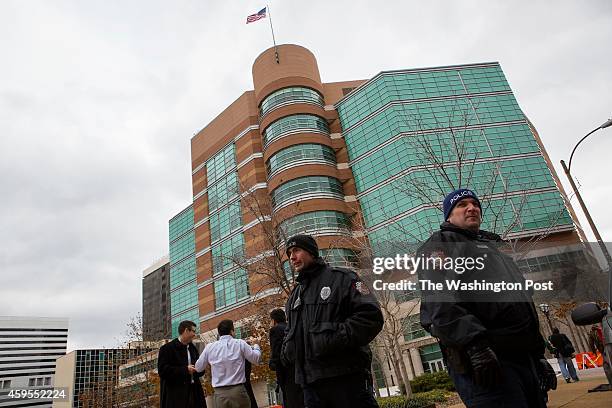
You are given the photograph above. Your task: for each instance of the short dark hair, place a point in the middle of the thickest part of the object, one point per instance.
(555, 330)
(278, 315)
(184, 325)
(225, 327)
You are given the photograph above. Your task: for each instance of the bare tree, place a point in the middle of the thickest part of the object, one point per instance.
(266, 256)
(139, 383)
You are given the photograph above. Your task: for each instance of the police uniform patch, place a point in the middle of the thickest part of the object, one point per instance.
(362, 288)
(325, 292)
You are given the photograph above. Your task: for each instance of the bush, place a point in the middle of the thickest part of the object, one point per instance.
(421, 400)
(432, 381)
(397, 401)
(433, 395)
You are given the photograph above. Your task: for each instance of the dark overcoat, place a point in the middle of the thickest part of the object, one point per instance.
(175, 380)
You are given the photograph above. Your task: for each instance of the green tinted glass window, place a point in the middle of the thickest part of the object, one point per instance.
(522, 212)
(393, 86)
(412, 328)
(304, 186)
(220, 163)
(184, 298)
(430, 352)
(182, 248)
(293, 123)
(191, 315)
(224, 190)
(316, 222)
(231, 288)
(290, 95)
(228, 253)
(302, 153)
(340, 257)
(182, 272)
(511, 174)
(223, 222)
(429, 116)
(181, 223)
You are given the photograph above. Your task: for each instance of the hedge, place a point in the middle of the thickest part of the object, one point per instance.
(432, 381)
(418, 400)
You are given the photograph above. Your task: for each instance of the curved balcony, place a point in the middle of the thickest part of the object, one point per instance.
(294, 124)
(305, 188)
(324, 222)
(290, 96)
(298, 155)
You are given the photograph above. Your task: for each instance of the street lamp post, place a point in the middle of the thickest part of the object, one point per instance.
(602, 245)
(545, 308)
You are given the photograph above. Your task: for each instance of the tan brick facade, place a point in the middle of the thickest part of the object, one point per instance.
(241, 122)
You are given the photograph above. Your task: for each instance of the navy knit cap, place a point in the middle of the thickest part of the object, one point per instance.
(306, 242)
(453, 198)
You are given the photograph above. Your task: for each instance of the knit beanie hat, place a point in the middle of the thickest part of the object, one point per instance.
(306, 242)
(453, 198)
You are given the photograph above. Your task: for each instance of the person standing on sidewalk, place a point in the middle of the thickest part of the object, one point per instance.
(491, 342)
(292, 395)
(564, 353)
(180, 385)
(332, 316)
(597, 344)
(226, 357)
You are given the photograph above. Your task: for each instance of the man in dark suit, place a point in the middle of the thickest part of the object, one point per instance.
(180, 385)
(291, 392)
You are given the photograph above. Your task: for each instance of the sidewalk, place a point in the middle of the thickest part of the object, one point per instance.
(576, 395)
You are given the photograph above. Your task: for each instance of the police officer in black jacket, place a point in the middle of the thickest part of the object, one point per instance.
(332, 317)
(491, 341)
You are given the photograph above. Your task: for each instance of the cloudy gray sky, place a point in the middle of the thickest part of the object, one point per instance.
(99, 99)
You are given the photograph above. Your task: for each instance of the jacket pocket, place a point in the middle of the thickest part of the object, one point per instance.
(325, 339)
(287, 355)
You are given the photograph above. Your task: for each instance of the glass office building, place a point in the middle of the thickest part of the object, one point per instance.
(357, 160)
(183, 286)
(414, 135)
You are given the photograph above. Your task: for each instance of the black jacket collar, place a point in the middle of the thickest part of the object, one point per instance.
(484, 235)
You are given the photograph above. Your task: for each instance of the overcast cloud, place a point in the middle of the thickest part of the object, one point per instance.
(98, 102)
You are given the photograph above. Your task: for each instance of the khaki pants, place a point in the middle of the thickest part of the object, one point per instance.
(233, 396)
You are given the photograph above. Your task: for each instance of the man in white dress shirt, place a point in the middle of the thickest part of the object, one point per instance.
(226, 358)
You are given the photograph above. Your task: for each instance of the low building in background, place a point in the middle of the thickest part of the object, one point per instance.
(29, 347)
(92, 375)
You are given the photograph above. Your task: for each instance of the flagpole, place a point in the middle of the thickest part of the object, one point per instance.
(273, 39)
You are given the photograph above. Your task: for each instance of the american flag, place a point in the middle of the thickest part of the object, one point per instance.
(254, 17)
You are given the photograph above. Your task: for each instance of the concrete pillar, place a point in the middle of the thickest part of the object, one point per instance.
(417, 363)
